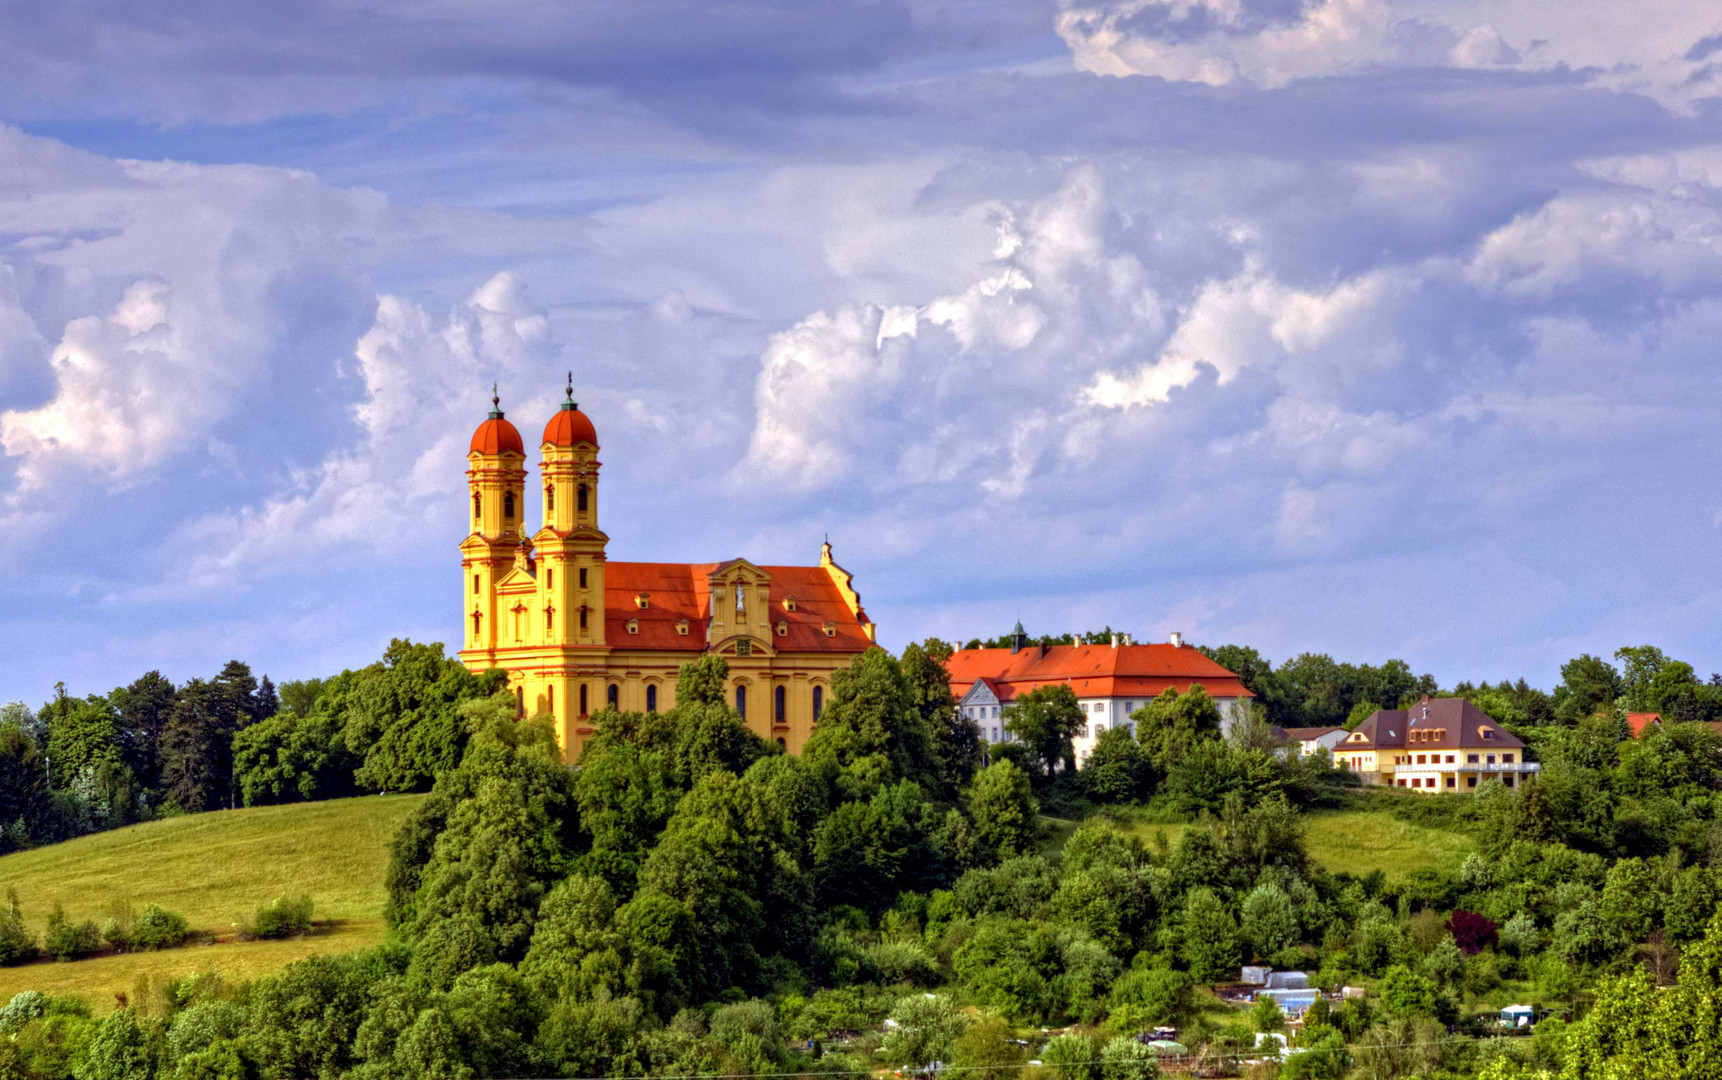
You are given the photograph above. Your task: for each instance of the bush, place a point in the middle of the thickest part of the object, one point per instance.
(117, 934)
(71, 941)
(17, 944)
(288, 916)
(158, 928)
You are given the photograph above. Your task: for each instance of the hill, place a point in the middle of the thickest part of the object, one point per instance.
(216, 869)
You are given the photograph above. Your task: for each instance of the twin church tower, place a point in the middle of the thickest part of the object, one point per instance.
(577, 631)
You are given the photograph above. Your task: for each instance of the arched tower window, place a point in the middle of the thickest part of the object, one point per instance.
(477, 506)
(582, 699)
(550, 500)
(580, 498)
(508, 507)
(741, 702)
(610, 696)
(651, 699)
(777, 706)
(818, 701)
(583, 610)
(475, 580)
(520, 700)
(549, 619)
(477, 622)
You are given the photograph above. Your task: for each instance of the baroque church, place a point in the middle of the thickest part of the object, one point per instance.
(577, 631)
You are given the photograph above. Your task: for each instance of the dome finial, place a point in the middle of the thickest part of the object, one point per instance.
(495, 403)
(569, 404)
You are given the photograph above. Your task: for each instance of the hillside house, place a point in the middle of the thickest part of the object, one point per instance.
(1439, 744)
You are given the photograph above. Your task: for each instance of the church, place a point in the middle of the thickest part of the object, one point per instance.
(577, 631)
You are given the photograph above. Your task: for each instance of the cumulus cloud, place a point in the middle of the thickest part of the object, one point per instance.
(1657, 49)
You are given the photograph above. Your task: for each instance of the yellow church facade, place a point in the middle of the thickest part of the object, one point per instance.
(577, 631)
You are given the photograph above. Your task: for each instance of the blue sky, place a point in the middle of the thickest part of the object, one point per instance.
(1384, 328)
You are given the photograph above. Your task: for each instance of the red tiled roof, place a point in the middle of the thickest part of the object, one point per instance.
(1093, 671)
(683, 591)
(496, 436)
(1638, 721)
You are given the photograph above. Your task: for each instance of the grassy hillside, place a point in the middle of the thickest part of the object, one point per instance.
(1348, 841)
(216, 869)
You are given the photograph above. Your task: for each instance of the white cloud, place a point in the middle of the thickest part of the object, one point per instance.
(1642, 48)
(424, 383)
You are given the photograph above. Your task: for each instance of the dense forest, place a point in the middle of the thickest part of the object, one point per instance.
(690, 900)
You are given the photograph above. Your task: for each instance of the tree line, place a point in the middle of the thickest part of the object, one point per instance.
(80, 765)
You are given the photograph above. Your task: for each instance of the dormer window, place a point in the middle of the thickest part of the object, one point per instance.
(1488, 733)
(830, 628)
(783, 628)
(643, 600)
(789, 603)
(633, 626)
(682, 627)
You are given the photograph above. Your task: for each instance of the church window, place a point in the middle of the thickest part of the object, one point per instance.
(508, 507)
(477, 506)
(610, 695)
(744, 648)
(550, 577)
(549, 619)
(778, 707)
(582, 699)
(475, 580)
(651, 699)
(520, 700)
(818, 701)
(741, 702)
(580, 498)
(781, 745)
(583, 610)
(550, 500)
(477, 621)
(582, 577)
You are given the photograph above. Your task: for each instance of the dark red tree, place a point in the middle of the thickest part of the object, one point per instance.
(1472, 932)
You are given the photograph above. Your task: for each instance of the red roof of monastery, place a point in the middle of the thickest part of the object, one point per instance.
(680, 591)
(569, 426)
(1093, 671)
(497, 436)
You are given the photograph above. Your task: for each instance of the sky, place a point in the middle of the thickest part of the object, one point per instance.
(1379, 328)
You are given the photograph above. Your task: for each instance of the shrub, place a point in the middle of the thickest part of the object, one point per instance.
(17, 944)
(1473, 932)
(288, 916)
(158, 928)
(67, 940)
(117, 934)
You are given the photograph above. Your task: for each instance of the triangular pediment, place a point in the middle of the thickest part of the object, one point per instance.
(738, 568)
(517, 580)
(979, 694)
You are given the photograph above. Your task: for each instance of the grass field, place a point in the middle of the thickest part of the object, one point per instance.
(216, 869)
(1341, 841)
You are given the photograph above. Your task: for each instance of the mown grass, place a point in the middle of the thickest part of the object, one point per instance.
(1341, 841)
(216, 869)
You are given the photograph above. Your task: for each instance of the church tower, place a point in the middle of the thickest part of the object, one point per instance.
(496, 490)
(570, 545)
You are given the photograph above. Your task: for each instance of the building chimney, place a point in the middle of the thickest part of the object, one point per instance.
(1177, 640)
(1115, 641)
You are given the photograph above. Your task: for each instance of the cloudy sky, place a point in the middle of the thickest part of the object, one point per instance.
(1384, 328)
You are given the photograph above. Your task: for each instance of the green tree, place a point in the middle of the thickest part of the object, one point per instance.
(401, 715)
(119, 1051)
(987, 1048)
(626, 788)
(956, 740)
(1171, 725)
(1003, 808)
(17, 943)
(927, 1029)
(81, 735)
(144, 707)
(26, 803)
(1640, 664)
(1124, 1058)
(1117, 770)
(871, 730)
(865, 853)
(1045, 720)
(1071, 1056)
(1588, 683)
(1207, 937)
(197, 748)
(1270, 924)
(290, 758)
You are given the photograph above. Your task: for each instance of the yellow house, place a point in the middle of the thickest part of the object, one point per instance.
(576, 631)
(1438, 744)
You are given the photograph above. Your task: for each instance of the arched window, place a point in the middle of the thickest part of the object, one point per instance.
(651, 699)
(781, 745)
(818, 701)
(477, 622)
(550, 500)
(549, 619)
(583, 610)
(582, 699)
(741, 702)
(520, 700)
(477, 506)
(580, 498)
(508, 507)
(778, 705)
(610, 696)
(475, 580)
